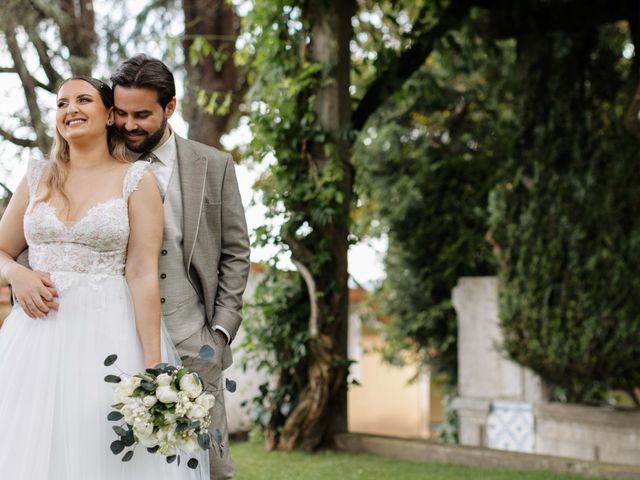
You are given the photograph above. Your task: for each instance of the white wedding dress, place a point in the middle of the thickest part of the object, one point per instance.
(53, 399)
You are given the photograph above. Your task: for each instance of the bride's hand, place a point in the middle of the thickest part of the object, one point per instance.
(33, 290)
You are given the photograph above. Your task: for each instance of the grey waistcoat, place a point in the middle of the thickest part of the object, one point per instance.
(178, 298)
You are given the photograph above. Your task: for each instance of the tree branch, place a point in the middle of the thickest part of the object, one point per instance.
(45, 60)
(21, 142)
(313, 301)
(42, 141)
(407, 62)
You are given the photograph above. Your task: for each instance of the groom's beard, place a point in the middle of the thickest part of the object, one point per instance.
(148, 141)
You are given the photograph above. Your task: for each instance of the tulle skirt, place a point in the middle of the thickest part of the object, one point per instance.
(53, 399)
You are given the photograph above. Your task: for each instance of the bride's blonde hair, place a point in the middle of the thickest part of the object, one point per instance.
(56, 170)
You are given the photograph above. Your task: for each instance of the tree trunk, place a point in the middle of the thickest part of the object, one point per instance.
(321, 411)
(211, 28)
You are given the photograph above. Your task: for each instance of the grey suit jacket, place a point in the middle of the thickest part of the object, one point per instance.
(216, 243)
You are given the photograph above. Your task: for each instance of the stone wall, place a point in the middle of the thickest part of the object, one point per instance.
(588, 433)
(489, 384)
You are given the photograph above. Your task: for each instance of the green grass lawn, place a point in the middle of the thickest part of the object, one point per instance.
(254, 463)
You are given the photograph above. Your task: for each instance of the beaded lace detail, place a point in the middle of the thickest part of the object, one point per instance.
(95, 244)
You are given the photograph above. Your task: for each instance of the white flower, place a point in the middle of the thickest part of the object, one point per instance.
(170, 418)
(133, 409)
(183, 403)
(190, 444)
(149, 401)
(190, 383)
(196, 412)
(143, 424)
(147, 441)
(166, 394)
(125, 389)
(206, 400)
(167, 440)
(164, 379)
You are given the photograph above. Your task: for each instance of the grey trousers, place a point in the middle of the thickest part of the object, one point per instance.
(220, 462)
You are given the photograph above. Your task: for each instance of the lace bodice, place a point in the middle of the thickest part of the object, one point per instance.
(96, 243)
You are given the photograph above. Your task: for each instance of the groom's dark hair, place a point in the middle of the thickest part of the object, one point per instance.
(143, 71)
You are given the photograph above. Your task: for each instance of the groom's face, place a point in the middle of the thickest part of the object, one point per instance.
(141, 118)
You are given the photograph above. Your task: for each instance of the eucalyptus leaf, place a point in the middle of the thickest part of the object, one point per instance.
(206, 353)
(147, 386)
(112, 379)
(204, 440)
(171, 458)
(182, 427)
(117, 446)
(129, 439)
(110, 360)
(121, 432)
(217, 436)
(153, 449)
(231, 385)
(192, 463)
(114, 416)
(127, 456)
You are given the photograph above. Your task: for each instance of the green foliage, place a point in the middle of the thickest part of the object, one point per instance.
(426, 164)
(566, 220)
(277, 332)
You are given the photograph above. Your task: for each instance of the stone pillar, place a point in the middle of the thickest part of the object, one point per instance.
(484, 374)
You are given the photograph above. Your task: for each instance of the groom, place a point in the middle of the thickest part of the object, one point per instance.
(204, 261)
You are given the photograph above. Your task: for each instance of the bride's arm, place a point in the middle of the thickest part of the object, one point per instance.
(141, 269)
(32, 289)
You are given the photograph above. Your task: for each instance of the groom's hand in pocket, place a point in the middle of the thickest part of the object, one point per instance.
(219, 345)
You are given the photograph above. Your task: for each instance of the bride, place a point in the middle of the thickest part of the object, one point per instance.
(93, 222)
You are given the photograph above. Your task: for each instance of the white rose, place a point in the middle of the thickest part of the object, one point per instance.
(166, 394)
(149, 401)
(196, 412)
(143, 425)
(125, 388)
(206, 400)
(147, 441)
(190, 384)
(164, 379)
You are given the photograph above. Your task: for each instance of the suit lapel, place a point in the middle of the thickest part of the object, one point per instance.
(193, 174)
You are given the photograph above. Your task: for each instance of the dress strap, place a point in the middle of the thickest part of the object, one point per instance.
(35, 167)
(132, 178)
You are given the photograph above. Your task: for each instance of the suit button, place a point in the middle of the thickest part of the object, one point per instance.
(163, 276)
(163, 252)
(162, 300)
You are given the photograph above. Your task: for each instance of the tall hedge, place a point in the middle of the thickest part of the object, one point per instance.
(566, 222)
(426, 164)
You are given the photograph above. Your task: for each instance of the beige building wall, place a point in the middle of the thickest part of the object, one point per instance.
(387, 401)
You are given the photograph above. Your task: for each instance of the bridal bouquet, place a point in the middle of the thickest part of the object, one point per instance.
(165, 409)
